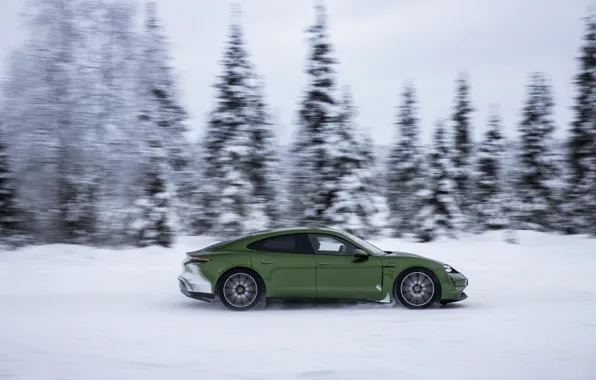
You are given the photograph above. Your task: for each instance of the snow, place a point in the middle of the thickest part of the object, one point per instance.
(71, 312)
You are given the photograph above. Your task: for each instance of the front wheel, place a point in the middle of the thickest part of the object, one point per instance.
(417, 288)
(240, 289)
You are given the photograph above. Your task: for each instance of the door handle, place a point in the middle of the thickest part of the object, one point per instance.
(266, 262)
(323, 264)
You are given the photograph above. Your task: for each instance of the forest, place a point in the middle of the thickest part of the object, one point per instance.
(93, 146)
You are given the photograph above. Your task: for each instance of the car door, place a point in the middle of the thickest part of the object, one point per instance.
(341, 275)
(286, 263)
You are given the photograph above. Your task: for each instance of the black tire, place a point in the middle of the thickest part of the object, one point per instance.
(425, 288)
(235, 289)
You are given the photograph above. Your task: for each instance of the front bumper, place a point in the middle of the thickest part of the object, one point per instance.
(462, 297)
(453, 288)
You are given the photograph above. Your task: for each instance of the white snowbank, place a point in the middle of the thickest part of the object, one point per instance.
(71, 312)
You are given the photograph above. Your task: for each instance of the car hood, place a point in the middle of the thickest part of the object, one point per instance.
(398, 253)
(395, 254)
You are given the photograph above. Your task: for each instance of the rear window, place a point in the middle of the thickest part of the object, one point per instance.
(229, 241)
(222, 243)
(280, 243)
(292, 243)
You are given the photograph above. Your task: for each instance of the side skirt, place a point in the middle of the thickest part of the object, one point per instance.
(318, 300)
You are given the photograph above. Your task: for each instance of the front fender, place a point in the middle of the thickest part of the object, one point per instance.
(394, 266)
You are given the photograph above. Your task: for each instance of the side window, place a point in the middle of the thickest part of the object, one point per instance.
(292, 243)
(331, 245)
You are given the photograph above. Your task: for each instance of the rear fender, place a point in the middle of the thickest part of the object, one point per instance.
(219, 264)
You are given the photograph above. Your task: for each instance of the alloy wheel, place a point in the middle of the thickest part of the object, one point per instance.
(240, 290)
(417, 289)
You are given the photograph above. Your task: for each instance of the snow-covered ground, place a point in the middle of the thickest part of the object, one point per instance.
(70, 312)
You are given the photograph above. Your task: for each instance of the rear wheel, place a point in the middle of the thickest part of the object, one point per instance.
(240, 289)
(417, 288)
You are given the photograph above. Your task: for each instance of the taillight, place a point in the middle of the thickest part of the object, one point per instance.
(197, 259)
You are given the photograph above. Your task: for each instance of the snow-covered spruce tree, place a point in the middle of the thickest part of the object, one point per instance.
(116, 52)
(152, 222)
(152, 219)
(403, 166)
(263, 163)
(439, 214)
(589, 199)
(48, 112)
(538, 172)
(171, 115)
(314, 181)
(69, 98)
(235, 208)
(355, 199)
(489, 202)
(26, 129)
(168, 113)
(11, 223)
(343, 212)
(77, 144)
(376, 212)
(227, 194)
(462, 142)
(188, 192)
(580, 203)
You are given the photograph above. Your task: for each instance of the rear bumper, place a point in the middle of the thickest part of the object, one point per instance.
(194, 280)
(186, 289)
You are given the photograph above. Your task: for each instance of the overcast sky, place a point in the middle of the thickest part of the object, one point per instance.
(380, 44)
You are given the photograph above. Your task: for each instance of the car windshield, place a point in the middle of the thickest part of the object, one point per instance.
(368, 246)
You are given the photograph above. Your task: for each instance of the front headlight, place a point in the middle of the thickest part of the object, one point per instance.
(448, 268)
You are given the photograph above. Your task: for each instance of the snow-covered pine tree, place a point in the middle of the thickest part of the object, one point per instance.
(489, 202)
(343, 212)
(227, 145)
(235, 207)
(151, 222)
(69, 98)
(298, 172)
(376, 211)
(12, 228)
(152, 219)
(170, 116)
(53, 121)
(189, 192)
(463, 145)
(510, 174)
(580, 204)
(263, 163)
(313, 183)
(538, 172)
(25, 115)
(116, 52)
(403, 166)
(355, 200)
(439, 214)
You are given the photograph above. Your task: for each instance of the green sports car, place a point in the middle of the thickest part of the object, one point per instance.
(315, 263)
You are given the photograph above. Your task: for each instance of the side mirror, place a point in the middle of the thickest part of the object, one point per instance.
(360, 254)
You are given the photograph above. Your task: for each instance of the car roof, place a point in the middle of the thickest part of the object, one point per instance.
(261, 234)
(274, 231)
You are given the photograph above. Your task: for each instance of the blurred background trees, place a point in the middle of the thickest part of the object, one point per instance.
(93, 147)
